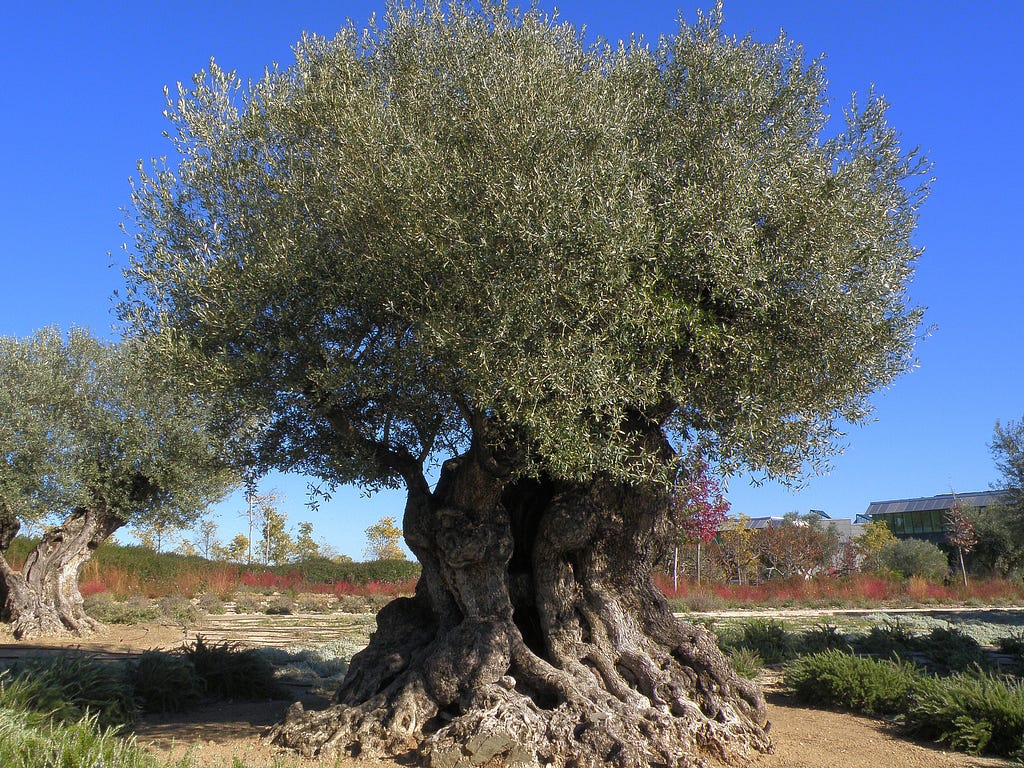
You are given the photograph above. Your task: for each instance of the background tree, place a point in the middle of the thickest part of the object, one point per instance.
(464, 239)
(734, 549)
(960, 532)
(1001, 531)
(698, 509)
(237, 550)
(206, 542)
(383, 540)
(306, 547)
(93, 437)
(801, 545)
(275, 545)
(868, 546)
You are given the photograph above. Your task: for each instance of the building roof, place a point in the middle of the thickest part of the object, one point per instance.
(928, 503)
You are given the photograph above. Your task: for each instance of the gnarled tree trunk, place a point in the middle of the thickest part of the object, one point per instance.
(535, 637)
(43, 598)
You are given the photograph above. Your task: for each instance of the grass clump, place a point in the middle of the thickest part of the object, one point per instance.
(769, 640)
(231, 672)
(27, 743)
(837, 679)
(972, 712)
(166, 682)
(745, 662)
(70, 686)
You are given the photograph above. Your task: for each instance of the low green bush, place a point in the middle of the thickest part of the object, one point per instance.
(837, 679)
(975, 713)
(166, 682)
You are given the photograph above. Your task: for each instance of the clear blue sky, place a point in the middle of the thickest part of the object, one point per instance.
(82, 101)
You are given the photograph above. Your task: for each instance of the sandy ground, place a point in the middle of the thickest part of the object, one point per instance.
(220, 733)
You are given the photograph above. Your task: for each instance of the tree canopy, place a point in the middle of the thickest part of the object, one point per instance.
(466, 225)
(93, 424)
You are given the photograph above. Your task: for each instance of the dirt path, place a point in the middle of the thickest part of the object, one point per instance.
(219, 733)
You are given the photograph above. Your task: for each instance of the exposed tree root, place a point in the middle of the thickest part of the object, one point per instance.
(536, 637)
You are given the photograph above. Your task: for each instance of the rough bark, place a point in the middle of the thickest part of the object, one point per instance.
(535, 637)
(43, 598)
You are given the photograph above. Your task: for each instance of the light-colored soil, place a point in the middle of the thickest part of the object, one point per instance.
(220, 733)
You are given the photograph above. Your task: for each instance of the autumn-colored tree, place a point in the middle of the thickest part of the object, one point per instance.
(382, 540)
(799, 546)
(698, 508)
(734, 548)
(237, 550)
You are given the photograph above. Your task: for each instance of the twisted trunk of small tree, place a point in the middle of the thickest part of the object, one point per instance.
(535, 637)
(43, 598)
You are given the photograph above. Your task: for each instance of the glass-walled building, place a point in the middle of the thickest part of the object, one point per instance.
(925, 518)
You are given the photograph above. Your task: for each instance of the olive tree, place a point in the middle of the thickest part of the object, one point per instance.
(464, 241)
(92, 439)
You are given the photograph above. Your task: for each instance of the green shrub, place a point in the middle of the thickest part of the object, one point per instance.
(952, 650)
(279, 606)
(230, 672)
(890, 641)
(166, 682)
(976, 713)
(914, 557)
(837, 679)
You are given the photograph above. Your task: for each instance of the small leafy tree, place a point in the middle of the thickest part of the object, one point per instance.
(306, 547)
(236, 551)
(698, 508)
(960, 532)
(276, 545)
(206, 542)
(868, 546)
(382, 540)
